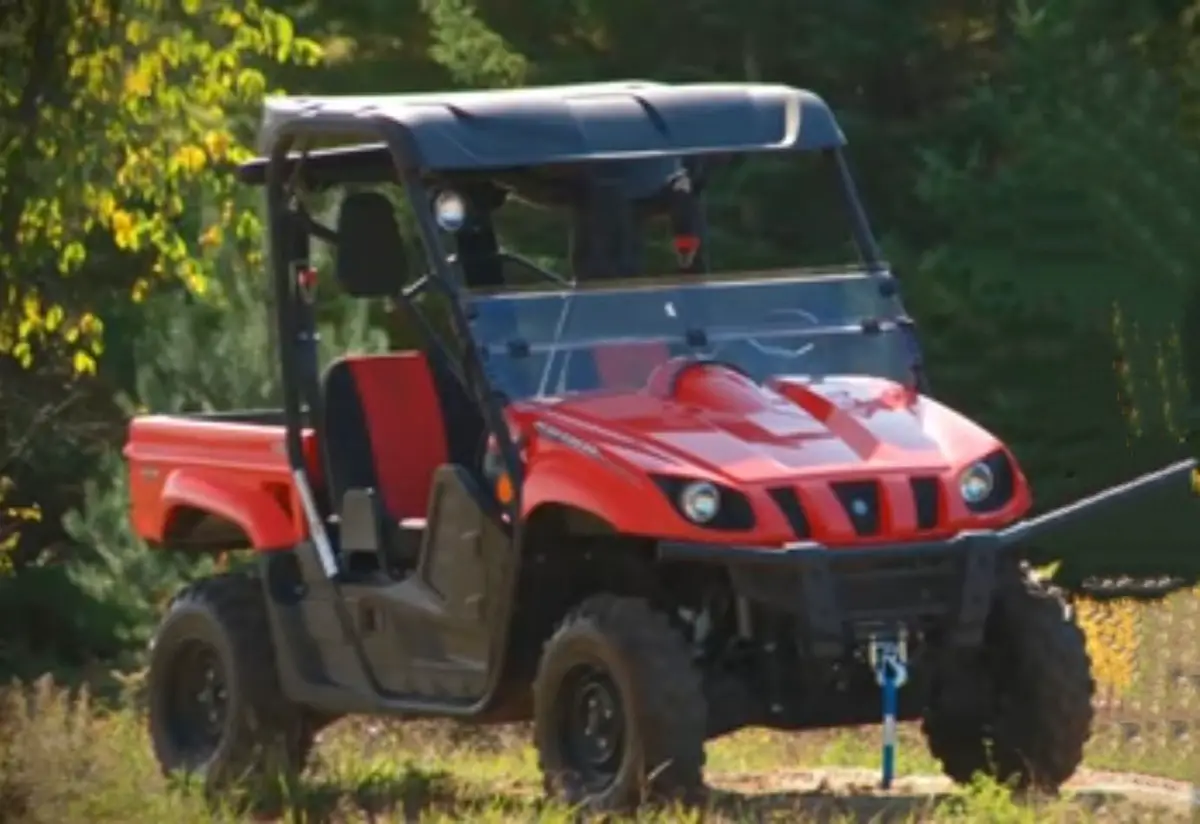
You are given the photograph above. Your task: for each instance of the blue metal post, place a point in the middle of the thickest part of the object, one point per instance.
(889, 659)
(889, 725)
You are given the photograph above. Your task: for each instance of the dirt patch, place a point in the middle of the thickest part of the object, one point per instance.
(831, 794)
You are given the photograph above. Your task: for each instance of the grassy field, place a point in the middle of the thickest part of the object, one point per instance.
(64, 761)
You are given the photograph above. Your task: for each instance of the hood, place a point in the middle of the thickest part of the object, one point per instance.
(712, 421)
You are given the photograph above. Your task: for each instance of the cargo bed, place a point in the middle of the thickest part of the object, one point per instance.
(217, 481)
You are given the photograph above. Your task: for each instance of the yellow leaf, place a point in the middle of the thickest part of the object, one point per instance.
(212, 237)
(23, 354)
(72, 256)
(136, 32)
(84, 364)
(191, 159)
(25, 513)
(89, 324)
(139, 82)
(123, 228)
(198, 284)
(251, 84)
(33, 309)
(217, 144)
(54, 318)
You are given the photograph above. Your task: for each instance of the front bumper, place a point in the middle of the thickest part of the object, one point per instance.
(837, 591)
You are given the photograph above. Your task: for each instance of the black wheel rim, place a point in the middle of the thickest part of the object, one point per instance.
(592, 726)
(196, 701)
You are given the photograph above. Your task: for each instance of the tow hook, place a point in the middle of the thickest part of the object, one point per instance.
(888, 656)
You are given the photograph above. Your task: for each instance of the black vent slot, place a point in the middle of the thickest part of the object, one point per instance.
(861, 502)
(927, 497)
(785, 498)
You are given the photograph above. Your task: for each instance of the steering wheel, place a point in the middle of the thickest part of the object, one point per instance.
(772, 350)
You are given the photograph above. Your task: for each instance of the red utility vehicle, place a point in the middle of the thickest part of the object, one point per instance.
(642, 512)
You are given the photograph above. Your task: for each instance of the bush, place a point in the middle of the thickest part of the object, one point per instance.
(64, 760)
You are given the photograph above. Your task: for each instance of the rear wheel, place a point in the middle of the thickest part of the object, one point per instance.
(217, 711)
(619, 712)
(1020, 710)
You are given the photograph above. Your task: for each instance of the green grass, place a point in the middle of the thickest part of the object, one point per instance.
(64, 761)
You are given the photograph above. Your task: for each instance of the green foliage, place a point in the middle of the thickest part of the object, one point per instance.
(204, 356)
(120, 124)
(473, 52)
(110, 566)
(369, 47)
(1064, 267)
(122, 113)
(53, 626)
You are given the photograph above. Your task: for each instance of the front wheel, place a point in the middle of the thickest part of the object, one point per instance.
(1019, 710)
(217, 711)
(619, 711)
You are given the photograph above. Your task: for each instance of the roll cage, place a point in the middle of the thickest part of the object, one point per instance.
(417, 140)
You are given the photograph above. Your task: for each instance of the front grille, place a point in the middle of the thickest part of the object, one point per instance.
(785, 498)
(926, 496)
(860, 499)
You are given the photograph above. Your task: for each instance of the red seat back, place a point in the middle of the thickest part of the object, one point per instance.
(384, 429)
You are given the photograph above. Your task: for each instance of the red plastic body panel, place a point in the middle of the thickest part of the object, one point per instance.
(597, 452)
(236, 471)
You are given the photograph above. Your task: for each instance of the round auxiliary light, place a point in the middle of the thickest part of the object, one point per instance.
(976, 483)
(700, 502)
(450, 211)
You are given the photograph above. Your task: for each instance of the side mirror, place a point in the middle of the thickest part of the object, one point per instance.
(370, 258)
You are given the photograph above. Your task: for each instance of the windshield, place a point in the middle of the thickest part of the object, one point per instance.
(611, 337)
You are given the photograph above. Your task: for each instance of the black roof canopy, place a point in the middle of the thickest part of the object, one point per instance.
(498, 129)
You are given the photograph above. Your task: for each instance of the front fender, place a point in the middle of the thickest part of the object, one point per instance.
(625, 500)
(259, 515)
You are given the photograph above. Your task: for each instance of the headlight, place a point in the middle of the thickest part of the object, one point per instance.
(450, 211)
(976, 483)
(700, 502)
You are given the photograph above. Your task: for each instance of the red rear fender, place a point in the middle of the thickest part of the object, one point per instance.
(253, 509)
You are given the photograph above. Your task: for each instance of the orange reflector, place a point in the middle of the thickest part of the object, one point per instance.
(504, 489)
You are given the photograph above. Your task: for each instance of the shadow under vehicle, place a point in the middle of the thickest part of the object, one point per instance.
(642, 512)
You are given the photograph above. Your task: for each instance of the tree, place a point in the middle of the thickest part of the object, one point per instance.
(120, 125)
(1060, 304)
